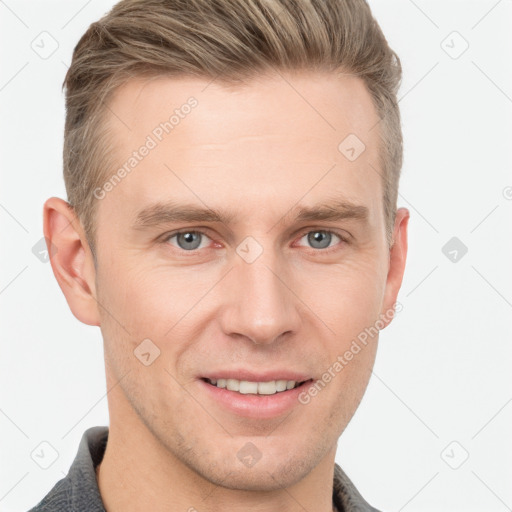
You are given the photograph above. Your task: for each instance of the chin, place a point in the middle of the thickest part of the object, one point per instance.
(260, 478)
(270, 467)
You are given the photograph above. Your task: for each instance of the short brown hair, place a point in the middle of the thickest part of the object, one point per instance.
(226, 40)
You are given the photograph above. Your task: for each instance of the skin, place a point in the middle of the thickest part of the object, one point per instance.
(261, 150)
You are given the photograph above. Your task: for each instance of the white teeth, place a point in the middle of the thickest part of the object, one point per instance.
(247, 387)
(267, 388)
(281, 385)
(233, 385)
(261, 388)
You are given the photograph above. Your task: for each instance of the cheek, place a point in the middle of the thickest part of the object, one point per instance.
(160, 304)
(346, 297)
(148, 301)
(352, 382)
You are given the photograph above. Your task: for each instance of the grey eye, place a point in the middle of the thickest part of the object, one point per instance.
(319, 239)
(188, 240)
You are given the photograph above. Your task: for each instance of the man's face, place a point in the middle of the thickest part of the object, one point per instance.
(260, 291)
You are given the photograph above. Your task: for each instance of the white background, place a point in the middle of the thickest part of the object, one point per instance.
(443, 366)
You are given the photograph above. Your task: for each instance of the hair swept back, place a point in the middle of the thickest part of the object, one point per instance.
(231, 41)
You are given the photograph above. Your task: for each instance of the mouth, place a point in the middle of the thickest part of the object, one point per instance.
(246, 387)
(255, 396)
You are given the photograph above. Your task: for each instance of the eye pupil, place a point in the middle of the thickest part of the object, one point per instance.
(189, 238)
(319, 237)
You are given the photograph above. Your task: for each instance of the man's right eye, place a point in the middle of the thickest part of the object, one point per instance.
(187, 240)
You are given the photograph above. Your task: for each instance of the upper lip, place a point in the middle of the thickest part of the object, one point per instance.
(252, 376)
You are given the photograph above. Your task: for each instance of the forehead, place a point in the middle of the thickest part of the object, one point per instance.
(273, 139)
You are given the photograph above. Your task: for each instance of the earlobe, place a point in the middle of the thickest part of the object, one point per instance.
(397, 260)
(71, 259)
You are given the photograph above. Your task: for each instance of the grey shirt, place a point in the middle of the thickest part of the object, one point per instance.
(78, 491)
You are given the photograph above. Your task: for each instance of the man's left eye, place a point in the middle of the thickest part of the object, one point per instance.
(188, 240)
(321, 239)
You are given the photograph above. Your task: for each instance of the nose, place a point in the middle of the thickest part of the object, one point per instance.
(260, 304)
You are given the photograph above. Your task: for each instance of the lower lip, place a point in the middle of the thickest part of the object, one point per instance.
(255, 406)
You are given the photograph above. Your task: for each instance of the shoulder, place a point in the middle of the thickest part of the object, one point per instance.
(78, 490)
(345, 495)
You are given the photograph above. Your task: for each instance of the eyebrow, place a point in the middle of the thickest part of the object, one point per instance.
(160, 213)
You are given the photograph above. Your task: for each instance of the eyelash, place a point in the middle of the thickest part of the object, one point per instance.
(344, 239)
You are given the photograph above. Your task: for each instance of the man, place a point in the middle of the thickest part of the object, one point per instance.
(232, 171)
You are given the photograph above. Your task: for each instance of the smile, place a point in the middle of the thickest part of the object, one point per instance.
(259, 400)
(246, 387)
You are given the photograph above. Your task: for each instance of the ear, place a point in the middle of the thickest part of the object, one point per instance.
(71, 259)
(397, 258)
